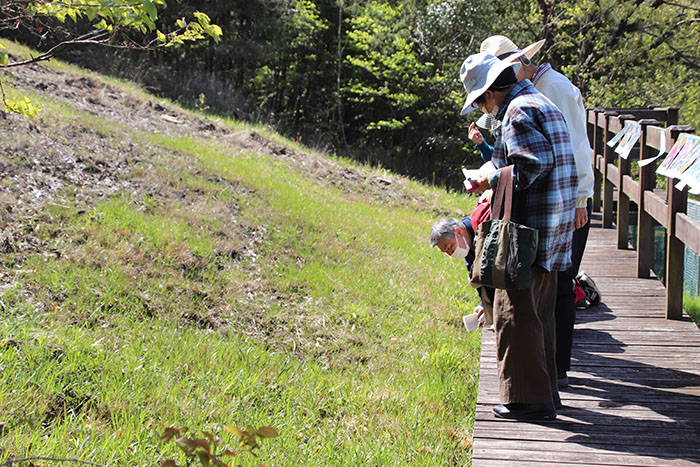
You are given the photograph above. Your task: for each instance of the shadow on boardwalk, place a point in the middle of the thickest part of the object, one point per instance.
(634, 394)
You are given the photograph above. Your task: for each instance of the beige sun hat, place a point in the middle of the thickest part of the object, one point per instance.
(503, 48)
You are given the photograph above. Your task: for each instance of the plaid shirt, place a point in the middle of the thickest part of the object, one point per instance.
(535, 140)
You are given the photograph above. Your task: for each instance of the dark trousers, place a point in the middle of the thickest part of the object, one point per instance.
(525, 341)
(565, 312)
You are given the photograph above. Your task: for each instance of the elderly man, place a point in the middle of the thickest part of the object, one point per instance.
(535, 141)
(568, 100)
(455, 238)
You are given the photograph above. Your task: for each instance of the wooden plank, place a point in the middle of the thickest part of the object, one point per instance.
(632, 436)
(653, 139)
(534, 463)
(634, 385)
(564, 426)
(631, 188)
(591, 117)
(609, 156)
(616, 124)
(656, 207)
(613, 174)
(599, 161)
(675, 252)
(589, 452)
(688, 232)
(647, 183)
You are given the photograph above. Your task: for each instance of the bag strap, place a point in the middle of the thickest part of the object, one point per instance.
(504, 192)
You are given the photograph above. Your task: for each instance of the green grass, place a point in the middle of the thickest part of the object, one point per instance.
(691, 305)
(235, 290)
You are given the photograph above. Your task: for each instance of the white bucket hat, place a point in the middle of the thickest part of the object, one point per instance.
(505, 49)
(478, 72)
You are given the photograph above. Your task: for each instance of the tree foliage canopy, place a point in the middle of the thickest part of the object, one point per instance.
(378, 79)
(124, 24)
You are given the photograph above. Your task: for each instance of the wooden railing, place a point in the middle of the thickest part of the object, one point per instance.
(667, 207)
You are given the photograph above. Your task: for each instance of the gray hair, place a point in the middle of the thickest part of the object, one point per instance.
(444, 228)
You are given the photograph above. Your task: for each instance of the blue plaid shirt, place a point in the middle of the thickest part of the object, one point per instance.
(535, 140)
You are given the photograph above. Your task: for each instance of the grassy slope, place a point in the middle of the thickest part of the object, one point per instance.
(223, 286)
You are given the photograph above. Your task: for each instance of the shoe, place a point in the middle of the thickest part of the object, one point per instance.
(520, 411)
(557, 401)
(562, 380)
(588, 286)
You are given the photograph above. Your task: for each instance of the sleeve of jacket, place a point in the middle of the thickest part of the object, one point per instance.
(527, 147)
(568, 99)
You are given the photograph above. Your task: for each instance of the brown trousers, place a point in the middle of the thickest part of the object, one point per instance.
(526, 340)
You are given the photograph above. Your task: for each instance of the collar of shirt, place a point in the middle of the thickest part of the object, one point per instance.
(542, 69)
(517, 89)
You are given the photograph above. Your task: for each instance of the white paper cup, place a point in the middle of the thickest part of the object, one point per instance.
(471, 322)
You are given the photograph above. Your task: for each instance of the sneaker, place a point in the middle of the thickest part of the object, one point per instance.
(525, 412)
(556, 401)
(588, 285)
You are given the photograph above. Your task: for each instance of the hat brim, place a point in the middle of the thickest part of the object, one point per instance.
(487, 122)
(469, 105)
(528, 51)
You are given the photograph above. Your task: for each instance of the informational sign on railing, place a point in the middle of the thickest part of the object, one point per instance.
(627, 138)
(683, 162)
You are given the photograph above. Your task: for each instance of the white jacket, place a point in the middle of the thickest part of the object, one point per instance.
(567, 98)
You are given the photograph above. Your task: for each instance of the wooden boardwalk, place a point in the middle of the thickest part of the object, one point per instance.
(634, 395)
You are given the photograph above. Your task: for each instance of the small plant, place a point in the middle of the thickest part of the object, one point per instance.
(201, 103)
(210, 449)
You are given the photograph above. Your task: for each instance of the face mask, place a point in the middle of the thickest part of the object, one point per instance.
(494, 111)
(460, 253)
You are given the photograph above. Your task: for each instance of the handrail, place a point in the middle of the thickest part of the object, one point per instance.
(613, 173)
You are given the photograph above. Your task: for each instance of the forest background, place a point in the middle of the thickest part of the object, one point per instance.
(378, 81)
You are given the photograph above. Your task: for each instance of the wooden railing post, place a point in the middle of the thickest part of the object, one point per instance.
(609, 155)
(645, 226)
(623, 201)
(598, 145)
(671, 116)
(675, 249)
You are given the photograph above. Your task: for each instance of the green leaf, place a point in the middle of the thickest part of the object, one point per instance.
(233, 430)
(150, 9)
(202, 18)
(215, 32)
(4, 58)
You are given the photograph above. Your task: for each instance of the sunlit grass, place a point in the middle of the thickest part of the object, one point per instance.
(236, 290)
(691, 305)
